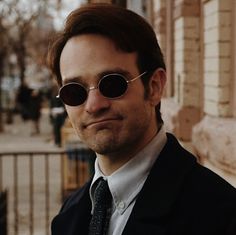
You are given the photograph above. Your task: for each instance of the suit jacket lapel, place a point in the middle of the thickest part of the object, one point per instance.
(160, 190)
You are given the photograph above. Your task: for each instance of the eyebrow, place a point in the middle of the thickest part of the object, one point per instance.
(112, 71)
(78, 79)
(72, 79)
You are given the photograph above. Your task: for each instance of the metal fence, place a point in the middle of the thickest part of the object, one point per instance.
(3, 212)
(37, 183)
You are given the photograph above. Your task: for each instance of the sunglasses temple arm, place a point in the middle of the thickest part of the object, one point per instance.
(137, 77)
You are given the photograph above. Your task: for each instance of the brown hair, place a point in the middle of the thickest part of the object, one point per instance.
(129, 31)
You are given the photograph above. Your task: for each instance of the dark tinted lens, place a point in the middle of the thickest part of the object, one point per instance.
(113, 86)
(73, 94)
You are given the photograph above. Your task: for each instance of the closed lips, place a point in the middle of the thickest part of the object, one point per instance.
(102, 121)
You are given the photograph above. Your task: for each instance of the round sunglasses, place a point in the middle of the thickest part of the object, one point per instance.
(111, 86)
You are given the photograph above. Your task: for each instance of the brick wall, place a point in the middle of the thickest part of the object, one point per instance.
(187, 56)
(185, 64)
(159, 23)
(214, 137)
(201, 108)
(217, 57)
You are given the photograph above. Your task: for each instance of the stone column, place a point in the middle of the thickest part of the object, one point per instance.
(214, 137)
(159, 22)
(183, 111)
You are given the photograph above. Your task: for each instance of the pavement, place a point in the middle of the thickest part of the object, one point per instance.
(18, 135)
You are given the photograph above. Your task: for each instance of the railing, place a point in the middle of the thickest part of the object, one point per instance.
(37, 183)
(3, 212)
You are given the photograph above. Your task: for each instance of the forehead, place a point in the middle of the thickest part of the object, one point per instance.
(92, 54)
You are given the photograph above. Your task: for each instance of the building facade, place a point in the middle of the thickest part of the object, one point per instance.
(199, 42)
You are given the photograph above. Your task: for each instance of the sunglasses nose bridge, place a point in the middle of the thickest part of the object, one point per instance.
(92, 88)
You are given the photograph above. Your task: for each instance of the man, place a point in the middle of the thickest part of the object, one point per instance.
(111, 74)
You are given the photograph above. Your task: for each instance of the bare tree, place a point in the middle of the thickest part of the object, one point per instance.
(21, 35)
(21, 16)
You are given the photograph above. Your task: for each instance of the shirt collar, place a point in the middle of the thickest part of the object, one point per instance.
(126, 182)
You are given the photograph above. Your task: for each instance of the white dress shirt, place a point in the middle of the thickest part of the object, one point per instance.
(126, 182)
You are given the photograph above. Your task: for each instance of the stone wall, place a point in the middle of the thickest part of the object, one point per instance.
(185, 63)
(217, 57)
(201, 108)
(214, 137)
(159, 23)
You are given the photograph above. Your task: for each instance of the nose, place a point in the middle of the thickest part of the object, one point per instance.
(96, 102)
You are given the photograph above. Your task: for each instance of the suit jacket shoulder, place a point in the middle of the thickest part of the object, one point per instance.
(182, 197)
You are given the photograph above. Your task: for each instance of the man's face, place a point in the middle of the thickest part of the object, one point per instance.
(112, 127)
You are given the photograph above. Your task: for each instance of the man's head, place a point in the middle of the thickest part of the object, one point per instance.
(128, 31)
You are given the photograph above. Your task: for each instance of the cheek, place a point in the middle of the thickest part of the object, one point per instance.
(73, 114)
(138, 111)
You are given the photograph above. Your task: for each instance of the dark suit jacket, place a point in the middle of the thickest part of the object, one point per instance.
(179, 197)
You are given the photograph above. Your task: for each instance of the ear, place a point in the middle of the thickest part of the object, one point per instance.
(156, 86)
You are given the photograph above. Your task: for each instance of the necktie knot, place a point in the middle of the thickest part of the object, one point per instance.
(102, 193)
(102, 207)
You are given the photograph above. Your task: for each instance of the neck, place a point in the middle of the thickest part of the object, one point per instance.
(109, 164)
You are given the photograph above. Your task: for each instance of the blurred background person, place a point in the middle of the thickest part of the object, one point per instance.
(28, 103)
(35, 106)
(57, 115)
(23, 101)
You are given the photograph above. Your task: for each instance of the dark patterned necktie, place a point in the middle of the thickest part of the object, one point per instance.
(102, 209)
